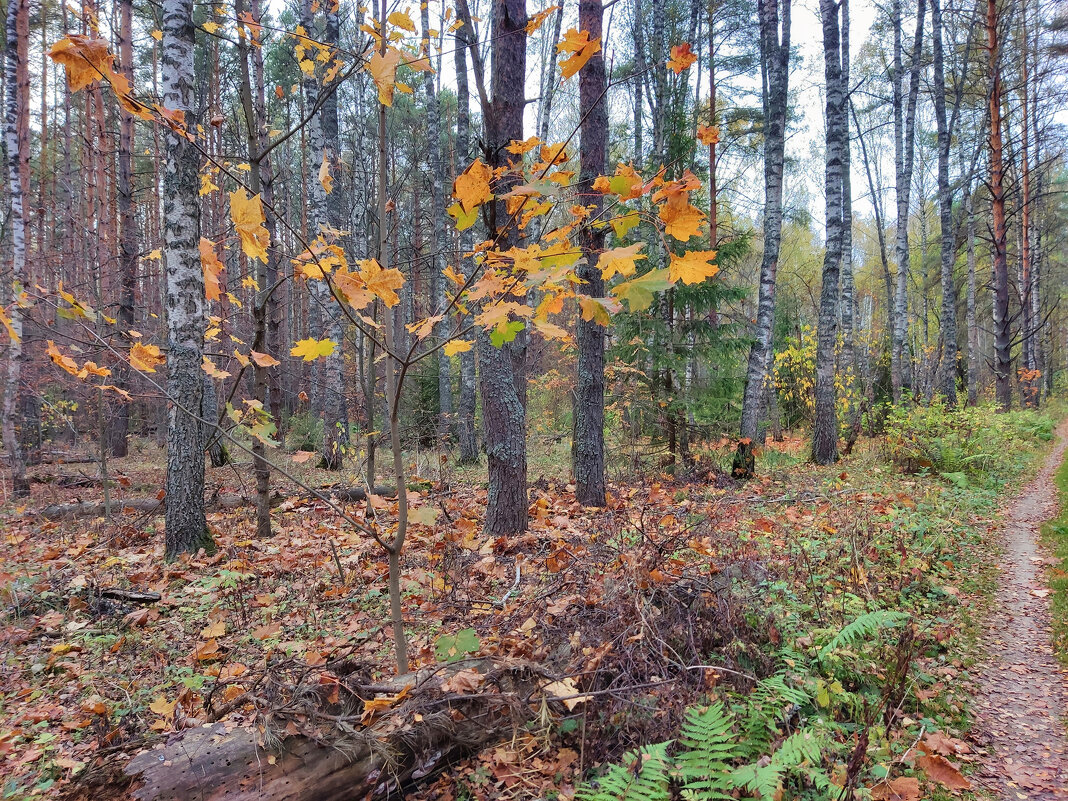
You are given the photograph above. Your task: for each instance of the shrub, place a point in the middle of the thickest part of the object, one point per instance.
(304, 433)
(962, 442)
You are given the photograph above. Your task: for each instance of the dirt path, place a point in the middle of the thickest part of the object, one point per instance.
(1023, 697)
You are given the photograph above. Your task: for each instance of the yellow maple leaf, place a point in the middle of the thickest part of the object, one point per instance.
(263, 359)
(693, 267)
(247, 215)
(472, 187)
(307, 66)
(518, 147)
(161, 706)
(86, 58)
(620, 260)
(66, 362)
(381, 283)
(536, 21)
(383, 69)
(594, 309)
(216, 629)
(312, 349)
(400, 19)
(352, 288)
(207, 185)
(145, 358)
(242, 359)
(458, 346)
(208, 366)
(581, 48)
(325, 178)
(681, 219)
(681, 58)
(212, 267)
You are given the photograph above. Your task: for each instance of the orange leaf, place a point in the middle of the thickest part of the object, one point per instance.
(263, 359)
(943, 771)
(681, 58)
(145, 358)
(581, 48)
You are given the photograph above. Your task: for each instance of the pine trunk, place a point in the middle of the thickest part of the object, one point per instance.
(439, 243)
(503, 369)
(466, 431)
(999, 259)
(588, 446)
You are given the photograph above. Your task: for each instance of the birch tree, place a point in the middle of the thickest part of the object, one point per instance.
(187, 529)
(775, 74)
(16, 13)
(825, 416)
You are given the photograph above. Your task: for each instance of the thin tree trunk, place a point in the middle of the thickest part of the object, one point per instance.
(999, 261)
(825, 417)
(1030, 383)
(970, 321)
(439, 243)
(775, 64)
(589, 390)
(187, 529)
(16, 11)
(904, 151)
(467, 433)
(948, 366)
(849, 359)
(503, 370)
(261, 467)
(548, 77)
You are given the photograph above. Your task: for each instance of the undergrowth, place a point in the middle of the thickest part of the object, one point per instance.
(876, 587)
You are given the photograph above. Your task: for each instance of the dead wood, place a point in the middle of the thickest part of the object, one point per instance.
(129, 596)
(222, 500)
(333, 757)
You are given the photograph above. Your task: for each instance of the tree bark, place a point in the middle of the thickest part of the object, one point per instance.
(775, 71)
(970, 319)
(186, 527)
(825, 416)
(948, 365)
(439, 243)
(466, 431)
(848, 300)
(999, 260)
(904, 151)
(119, 426)
(589, 390)
(503, 370)
(260, 381)
(17, 12)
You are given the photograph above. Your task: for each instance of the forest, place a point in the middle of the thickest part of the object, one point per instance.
(507, 399)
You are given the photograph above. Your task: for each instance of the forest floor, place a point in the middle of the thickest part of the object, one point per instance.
(1023, 701)
(677, 592)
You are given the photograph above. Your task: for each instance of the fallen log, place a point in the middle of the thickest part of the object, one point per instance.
(130, 596)
(434, 726)
(224, 500)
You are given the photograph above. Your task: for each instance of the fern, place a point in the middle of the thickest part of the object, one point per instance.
(863, 627)
(710, 746)
(643, 776)
(798, 753)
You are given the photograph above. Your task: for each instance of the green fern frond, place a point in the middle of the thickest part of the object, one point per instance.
(644, 775)
(862, 628)
(710, 745)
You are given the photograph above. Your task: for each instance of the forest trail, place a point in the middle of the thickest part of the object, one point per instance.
(1023, 697)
